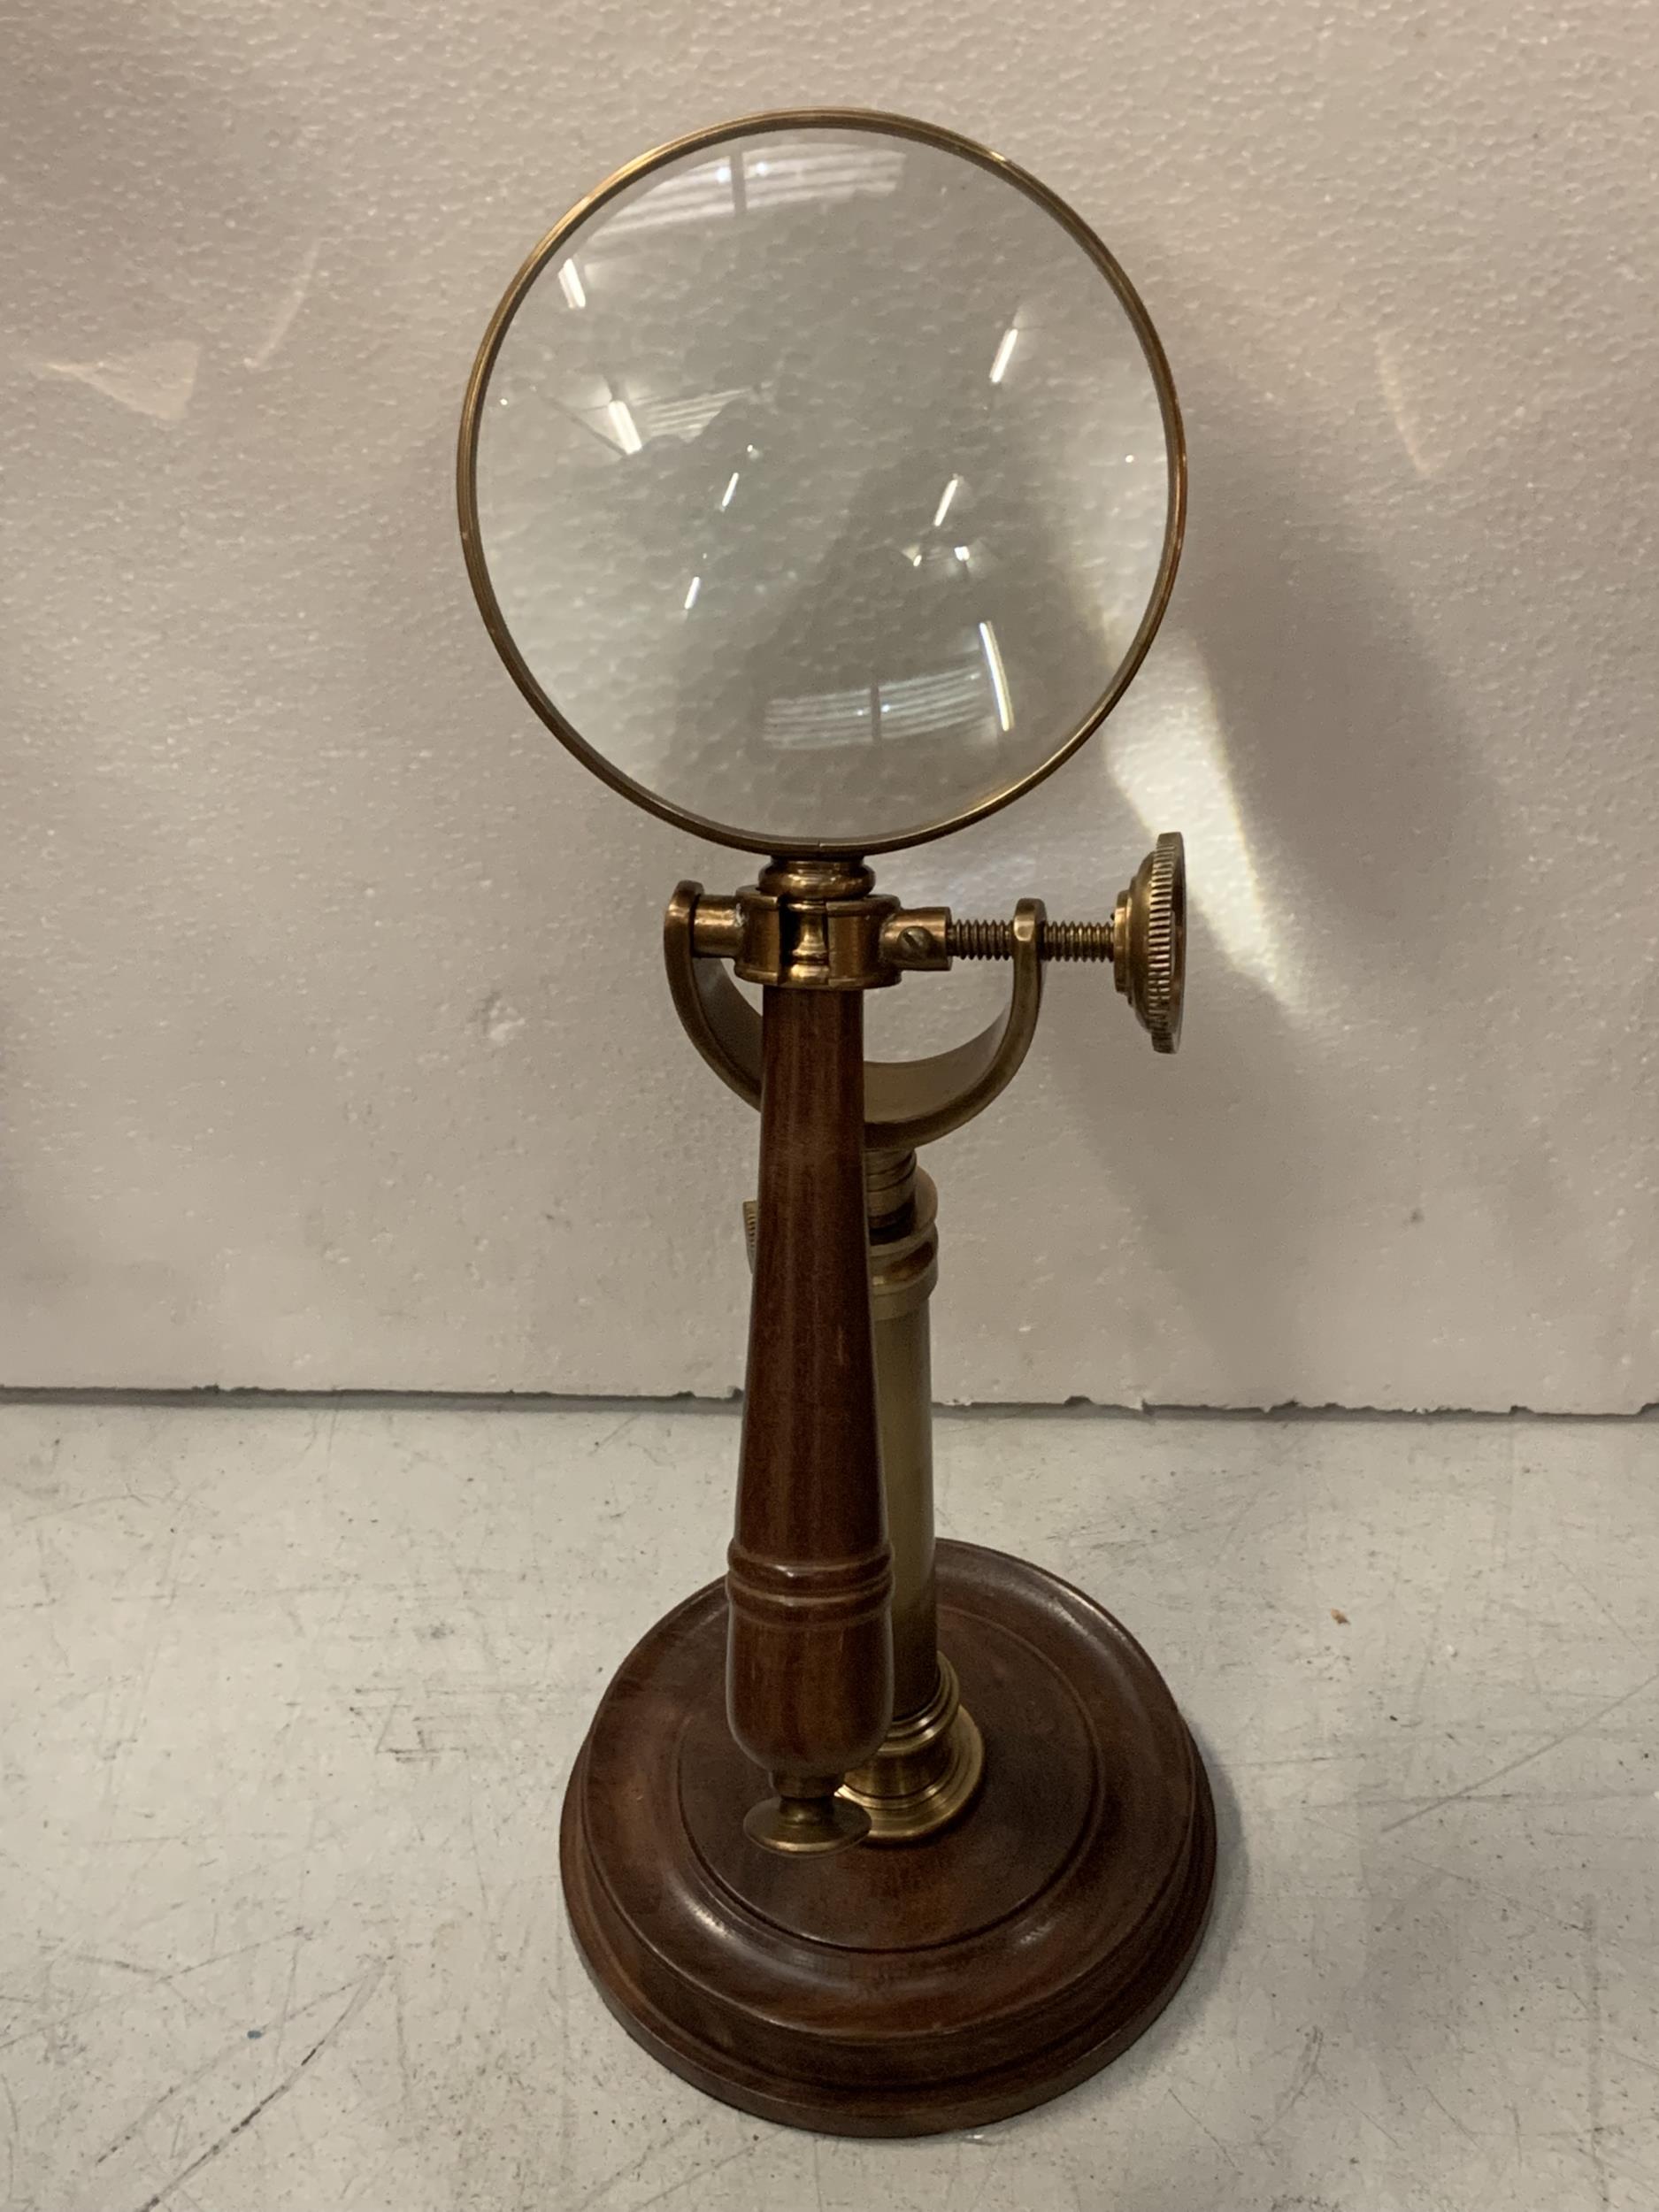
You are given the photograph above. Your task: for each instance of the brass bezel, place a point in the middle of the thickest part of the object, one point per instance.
(878, 123)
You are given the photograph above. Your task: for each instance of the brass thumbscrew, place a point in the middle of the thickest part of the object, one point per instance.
(1145, 940)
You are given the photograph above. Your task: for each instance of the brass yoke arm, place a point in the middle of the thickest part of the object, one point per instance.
(907, 1103)
(910, 1103)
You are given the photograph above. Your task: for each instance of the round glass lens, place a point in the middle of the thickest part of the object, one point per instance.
(824, 485)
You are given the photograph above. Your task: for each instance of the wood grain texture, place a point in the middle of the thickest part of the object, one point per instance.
(892, 1991)
(810, 1662)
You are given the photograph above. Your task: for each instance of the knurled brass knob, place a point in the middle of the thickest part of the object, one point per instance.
(1150, 942)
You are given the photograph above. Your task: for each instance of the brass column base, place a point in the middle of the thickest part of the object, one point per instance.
(926, 1771)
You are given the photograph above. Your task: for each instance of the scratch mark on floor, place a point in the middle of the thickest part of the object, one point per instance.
(1371, 2120)
(12, 2134)
(365, 1989)
(403, 2074)
(698, 2174)
(602, 2188)
(1307, 2067)
(611, 1435)
(1429, 2092)
(1202, 2130)
(288, 1994)
(178, 2088)
(189, 2080)
(1607, 1615)
(1481, 1782)
(1594, 2037)
(984, 2189)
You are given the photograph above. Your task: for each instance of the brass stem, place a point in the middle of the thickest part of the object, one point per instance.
(903, 1387)
(903, 1269)
(929, 1766)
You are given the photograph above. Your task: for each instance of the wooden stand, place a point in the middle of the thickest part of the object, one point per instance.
(733, 1903)
(899, 1992)
(810, 1661)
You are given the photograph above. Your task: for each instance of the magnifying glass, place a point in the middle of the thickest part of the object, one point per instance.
(822, 482)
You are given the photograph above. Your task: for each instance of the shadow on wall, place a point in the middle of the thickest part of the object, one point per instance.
(1293, 727)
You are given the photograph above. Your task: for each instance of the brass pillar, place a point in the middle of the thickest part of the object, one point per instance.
(930, 1765)
(904, 1268)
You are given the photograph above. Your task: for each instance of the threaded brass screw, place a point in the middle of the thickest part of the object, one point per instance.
(1055, 941)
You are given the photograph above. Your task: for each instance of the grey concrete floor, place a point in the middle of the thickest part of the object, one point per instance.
(292, 1692)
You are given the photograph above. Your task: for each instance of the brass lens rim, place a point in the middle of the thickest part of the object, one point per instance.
(878, 124)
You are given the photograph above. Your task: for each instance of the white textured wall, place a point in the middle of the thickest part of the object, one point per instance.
(333, 1046)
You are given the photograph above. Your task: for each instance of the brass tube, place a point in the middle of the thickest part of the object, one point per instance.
(903, 1269)
(904, 1398)
(927, 1772)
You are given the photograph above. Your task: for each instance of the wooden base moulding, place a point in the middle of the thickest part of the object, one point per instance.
(899, 1990)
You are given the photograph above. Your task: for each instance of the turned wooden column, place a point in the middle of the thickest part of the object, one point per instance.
(810, 1656)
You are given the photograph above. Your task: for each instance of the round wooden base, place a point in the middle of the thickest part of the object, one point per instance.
(899, 1990)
